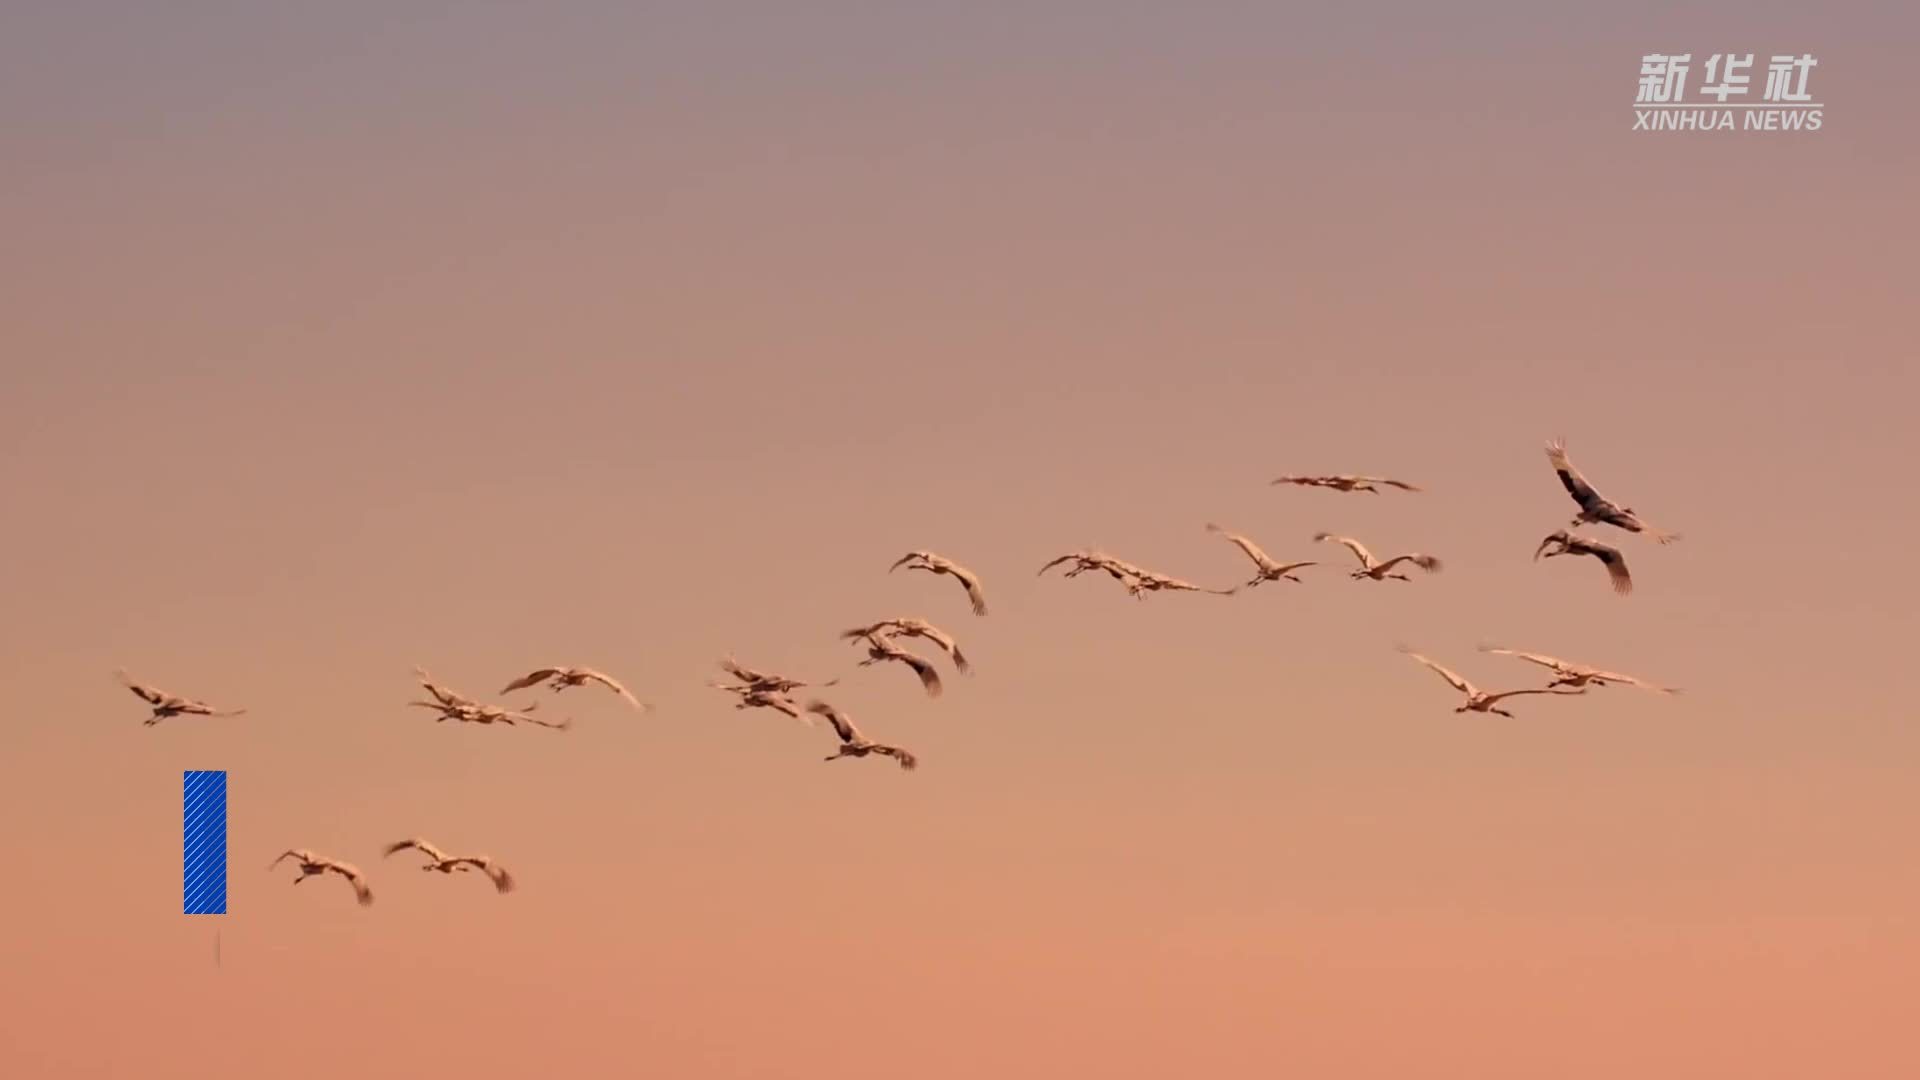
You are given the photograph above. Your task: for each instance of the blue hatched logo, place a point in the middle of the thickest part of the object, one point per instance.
(204, 842)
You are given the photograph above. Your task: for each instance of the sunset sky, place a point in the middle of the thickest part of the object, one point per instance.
(344, 337)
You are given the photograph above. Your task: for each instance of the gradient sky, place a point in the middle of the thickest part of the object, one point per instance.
(344, 337)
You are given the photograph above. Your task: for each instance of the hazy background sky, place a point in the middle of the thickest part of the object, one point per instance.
(343, 337)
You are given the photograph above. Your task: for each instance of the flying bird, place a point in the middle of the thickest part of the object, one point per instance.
(1347, 483)
(751, 698)
(1480, 700)
(760, 680)
(1562, 543)
(1138, 579)
(447, 864)
(920, 628)
(1153, 582)
(560, 678)
(312, 865)
(1567, 673)
(854, 744)
(880, 647)
(1084, 561)
(940, 564)
(470, 712)
(1595, 508)
(1376, 569)
(1269, 570)
(165, 704)
(444, 696)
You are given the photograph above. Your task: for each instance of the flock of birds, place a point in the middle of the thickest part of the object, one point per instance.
(755, 689)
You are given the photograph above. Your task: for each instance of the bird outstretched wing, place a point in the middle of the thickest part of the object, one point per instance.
(1558, 691)
(614, 685)
(842, 726)
(1538, 658)
(1425, 562)
(145, 693)
(1615, 562)
(1359, 549)
(416, 842)
(1252, 550)
(532, 678)
(1453, 678)
(1570, 478)
(1628, 680)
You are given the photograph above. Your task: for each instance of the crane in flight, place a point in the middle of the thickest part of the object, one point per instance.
(1378, 569)
(1595, 508)
(920, 628)
(881, 648)
(447, 864)
(940, 564)
(1480, 700)
(853, 743)
(1369, 484)
(1568, 673)
(561, 678)
(761, 680)
(1268, 568)
(312, 865)
(165, 705)
(1564, 543)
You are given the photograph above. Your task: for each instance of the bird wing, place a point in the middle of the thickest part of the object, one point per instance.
(425, 848)
(534, 678)
(614, 685)
(929, 675)
(943, 640)
(1303, 481)
(1251, 549)
(842, 726)
(971, 582)
(145, 693)
(446, 696)
(781, 704)
(1615, 676)
(1425, 562)
(353, 875)
(1576, 485)
(1542, 659)
(1359, 549)
(1401, 484)
(502, 881)
(1558, 691)
(1616, 563)
(905, 758)
(1288, 568)
(1053, 562)
(1453, 678)
(740, 671)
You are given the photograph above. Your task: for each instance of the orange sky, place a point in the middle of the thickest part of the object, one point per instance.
(339, 341)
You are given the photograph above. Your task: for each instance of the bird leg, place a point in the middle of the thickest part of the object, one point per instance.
(1399, 577)
(1502, 712)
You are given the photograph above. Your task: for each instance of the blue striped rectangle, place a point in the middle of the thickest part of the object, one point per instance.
(204, 843)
